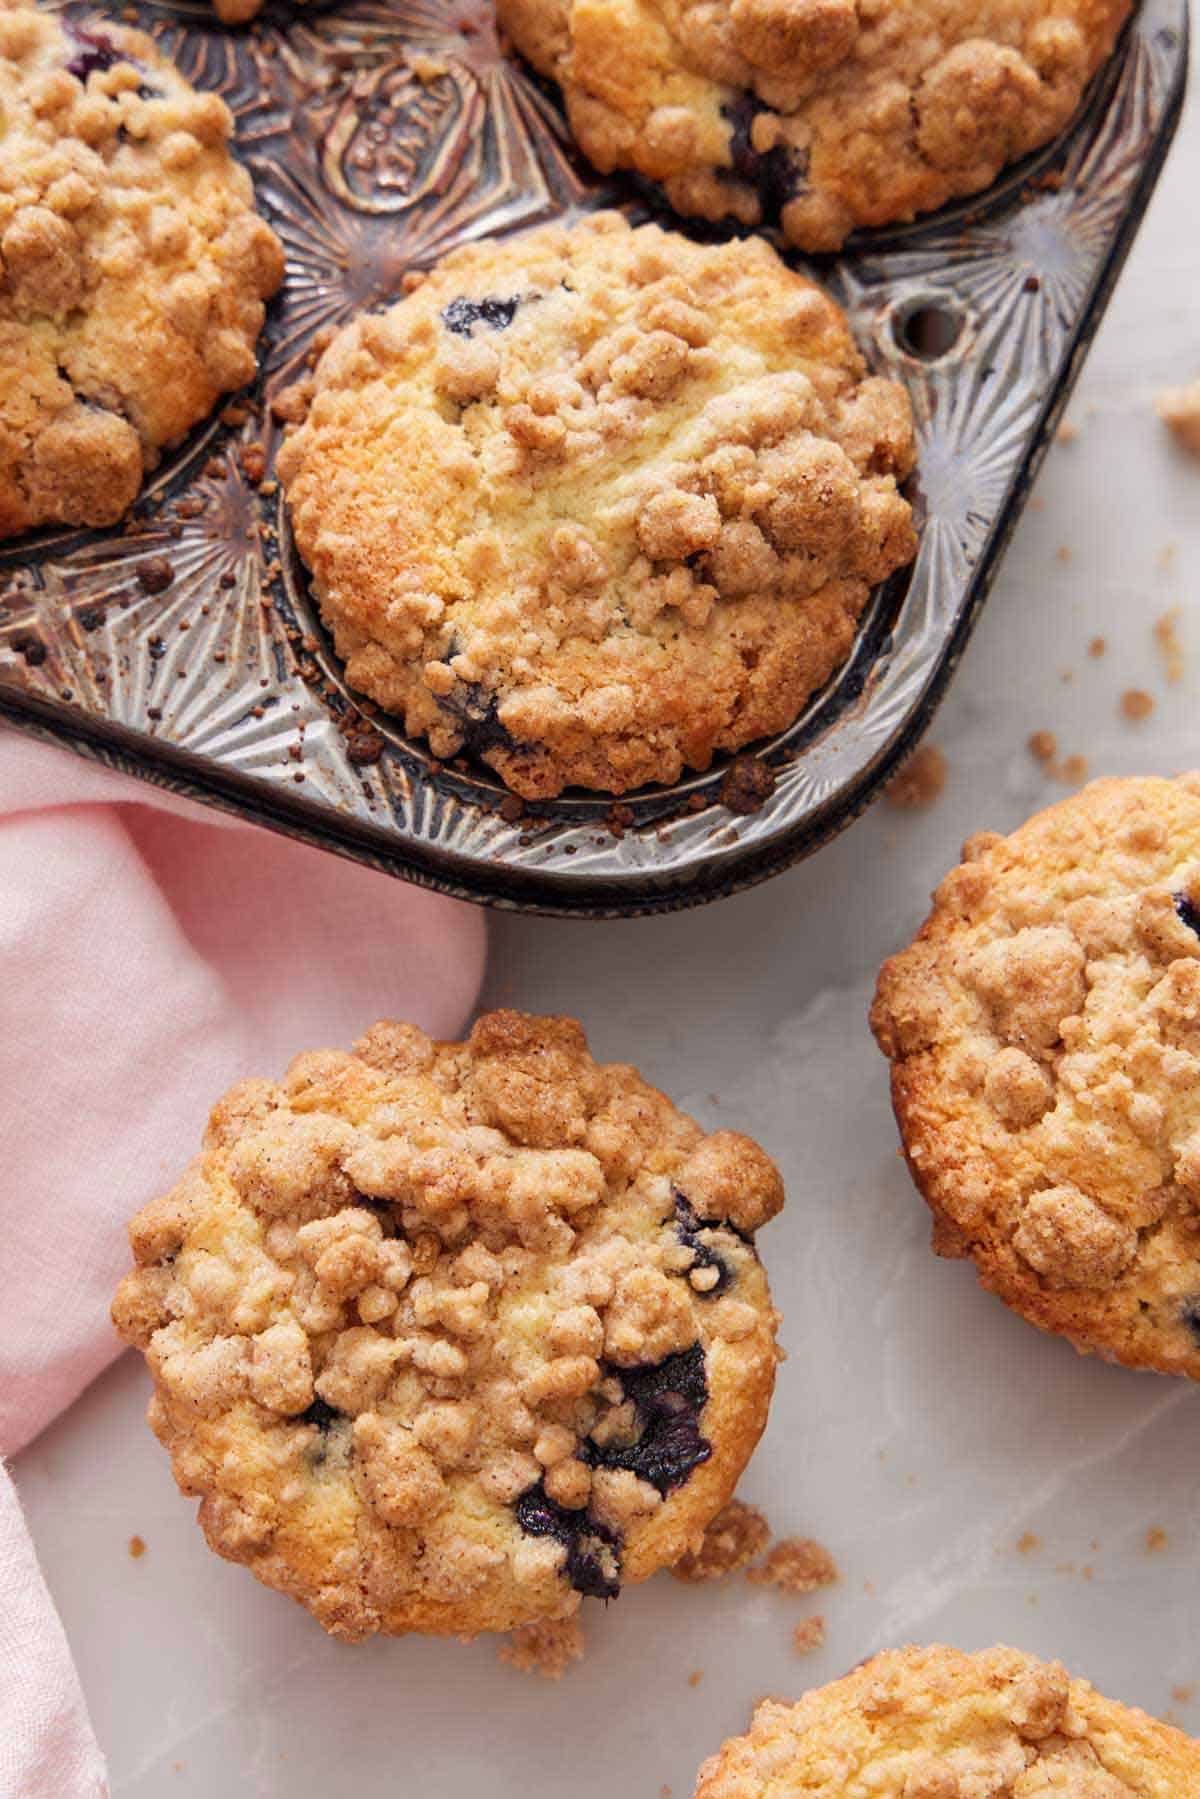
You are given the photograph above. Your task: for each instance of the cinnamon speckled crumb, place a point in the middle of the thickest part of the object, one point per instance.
(1179, 410)
(797, 1565)
(809, 1634)
(1166, 636)
(547, 1648)
(737, 1535)
(919, 782)
(1136, 704)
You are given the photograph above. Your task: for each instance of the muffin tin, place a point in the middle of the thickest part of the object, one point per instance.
(186, 648)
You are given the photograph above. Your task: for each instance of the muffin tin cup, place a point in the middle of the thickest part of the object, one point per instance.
(380, 136)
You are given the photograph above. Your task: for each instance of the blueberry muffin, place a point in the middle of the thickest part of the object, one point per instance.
(937, 1724)
(133, 267)
(1044, 1035)
(820, 115)
(594, 502)
(446, 1336)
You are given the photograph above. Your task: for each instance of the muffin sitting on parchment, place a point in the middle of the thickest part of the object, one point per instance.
(594, 503)
(447, 1336)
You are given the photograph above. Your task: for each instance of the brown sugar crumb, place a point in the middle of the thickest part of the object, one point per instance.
(737, 1535)
(920, 782)
(1072, 770)
(1043, 746)
(137, 1548)
(1027, 1543)
(1167, 639)
(1097, 647)
(809, 1634)
(253, 458)
(547, 1648)
(155, 574)
(1067, 433)
(1179, 410)
(1136, 704)
(1156, 1539)
(797, 1565)
(695, 1677)
(747, 786)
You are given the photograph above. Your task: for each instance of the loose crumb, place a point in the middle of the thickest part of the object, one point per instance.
(747, 786)
(809, 1634)
(737, 1535)
(1097, 647)
(1166, 556)
(664, 1792)
(1167, 638)
(547, 1648)
(1067, 433)
(695, 1677)
(137, 1548)
(1136, 704)
(1063, 552)
(1179, 410)
(1072, 769)
(1185, 1694)
(1027, 1543)
(1043, 746)
(797, 1565)
(1156, 1539)
(919, 782)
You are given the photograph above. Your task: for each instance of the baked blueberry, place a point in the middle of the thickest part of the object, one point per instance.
(462, 315)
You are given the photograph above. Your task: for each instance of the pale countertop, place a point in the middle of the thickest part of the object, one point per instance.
(918, 1429)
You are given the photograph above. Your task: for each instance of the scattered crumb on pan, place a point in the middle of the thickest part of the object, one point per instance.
(1027, 1543)
(1156, 1539)
(137, 1547)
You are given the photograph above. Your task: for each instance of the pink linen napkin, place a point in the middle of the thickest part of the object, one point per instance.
(151, 953)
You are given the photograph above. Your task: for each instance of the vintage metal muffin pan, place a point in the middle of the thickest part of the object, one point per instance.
(379, 135)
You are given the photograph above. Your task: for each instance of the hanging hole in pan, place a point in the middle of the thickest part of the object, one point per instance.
(928, 326)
